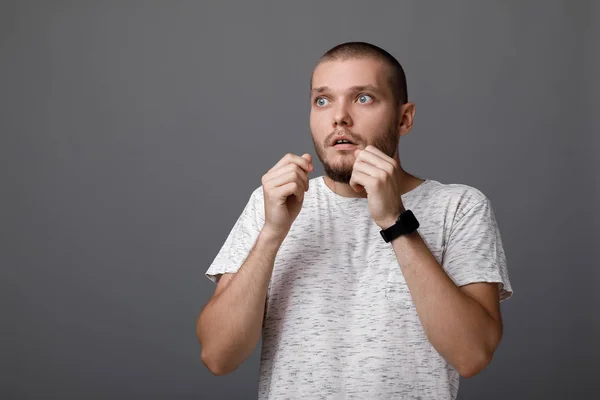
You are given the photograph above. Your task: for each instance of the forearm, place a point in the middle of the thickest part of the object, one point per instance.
(230, 325)
(458, 326)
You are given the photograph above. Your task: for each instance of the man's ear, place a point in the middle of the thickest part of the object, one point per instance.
(407, 115)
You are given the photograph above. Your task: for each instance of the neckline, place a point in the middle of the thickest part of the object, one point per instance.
(338, 198)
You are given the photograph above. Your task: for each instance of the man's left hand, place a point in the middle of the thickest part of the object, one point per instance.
(377, 174)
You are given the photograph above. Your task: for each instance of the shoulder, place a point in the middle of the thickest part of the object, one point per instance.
(456, 197)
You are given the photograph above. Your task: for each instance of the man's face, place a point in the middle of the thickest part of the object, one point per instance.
(351, 98)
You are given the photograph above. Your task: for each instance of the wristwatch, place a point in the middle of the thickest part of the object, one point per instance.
(405, 224)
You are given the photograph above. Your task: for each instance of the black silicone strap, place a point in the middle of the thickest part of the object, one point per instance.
(406, 223)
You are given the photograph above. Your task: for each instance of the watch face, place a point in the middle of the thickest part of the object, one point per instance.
(409, 221)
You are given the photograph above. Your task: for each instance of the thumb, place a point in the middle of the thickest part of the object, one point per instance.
(308, 158)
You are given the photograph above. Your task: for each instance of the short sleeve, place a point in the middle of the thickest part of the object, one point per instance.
(240, 239)
(474, 251)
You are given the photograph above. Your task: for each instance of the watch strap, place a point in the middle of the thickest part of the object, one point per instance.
(405, 224)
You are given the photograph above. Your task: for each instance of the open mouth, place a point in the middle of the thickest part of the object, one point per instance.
(344, 144)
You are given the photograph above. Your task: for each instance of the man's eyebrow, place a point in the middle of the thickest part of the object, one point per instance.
(319, 89)
(361, 88)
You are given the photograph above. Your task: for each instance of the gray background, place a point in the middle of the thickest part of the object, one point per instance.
(132, 134)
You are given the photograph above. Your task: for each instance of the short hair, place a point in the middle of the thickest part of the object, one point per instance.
(363, 50)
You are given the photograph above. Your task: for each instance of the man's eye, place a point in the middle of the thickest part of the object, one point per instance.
(321, 101)
(364, 98)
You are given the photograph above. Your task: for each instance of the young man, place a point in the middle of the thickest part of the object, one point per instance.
(368, 282)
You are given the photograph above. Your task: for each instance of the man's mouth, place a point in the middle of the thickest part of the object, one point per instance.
(342, 142)
(344, 145)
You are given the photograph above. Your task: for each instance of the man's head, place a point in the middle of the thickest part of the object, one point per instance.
(358, 91)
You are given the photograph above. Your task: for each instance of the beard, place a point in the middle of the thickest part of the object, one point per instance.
(341, 171)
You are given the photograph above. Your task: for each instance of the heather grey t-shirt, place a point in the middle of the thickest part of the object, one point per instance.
(339, 319)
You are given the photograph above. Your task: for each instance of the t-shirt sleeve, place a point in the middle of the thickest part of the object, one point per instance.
(474, 250)
(240, 239)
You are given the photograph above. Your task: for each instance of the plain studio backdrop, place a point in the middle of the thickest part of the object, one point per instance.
(133, 132)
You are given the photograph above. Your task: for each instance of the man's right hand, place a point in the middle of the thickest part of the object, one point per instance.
(283, 188)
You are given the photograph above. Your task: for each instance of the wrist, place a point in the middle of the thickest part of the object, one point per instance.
(391, 219)
(405, 224)
(387, 222)
(272, 236)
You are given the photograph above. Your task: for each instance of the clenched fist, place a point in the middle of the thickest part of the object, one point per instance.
(283, 188)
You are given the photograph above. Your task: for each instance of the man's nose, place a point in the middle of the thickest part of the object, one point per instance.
(342, 116)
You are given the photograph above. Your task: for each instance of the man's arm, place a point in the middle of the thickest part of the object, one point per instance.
(229, 326)
(463, 324)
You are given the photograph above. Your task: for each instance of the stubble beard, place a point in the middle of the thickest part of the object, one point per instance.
(342, 171)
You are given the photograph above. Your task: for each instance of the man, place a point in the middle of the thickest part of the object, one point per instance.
(354, 302)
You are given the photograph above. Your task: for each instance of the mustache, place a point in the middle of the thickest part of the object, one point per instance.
(353, 136)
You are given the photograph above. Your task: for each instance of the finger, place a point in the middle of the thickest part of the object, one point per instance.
(308, 157)
(285, 174)
(372, 149)
(374, 156)
(299, 193)
(370, 169)
(302, 162)
(359, 181)
(283, 179)
(291, 188)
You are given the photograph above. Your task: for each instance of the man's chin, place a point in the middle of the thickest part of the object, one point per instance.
(338, 175)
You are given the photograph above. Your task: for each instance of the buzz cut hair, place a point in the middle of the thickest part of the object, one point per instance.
(362, 50)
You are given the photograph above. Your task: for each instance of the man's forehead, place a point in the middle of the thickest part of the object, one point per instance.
(345, 74)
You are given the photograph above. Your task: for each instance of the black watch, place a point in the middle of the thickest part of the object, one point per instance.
(405, 224)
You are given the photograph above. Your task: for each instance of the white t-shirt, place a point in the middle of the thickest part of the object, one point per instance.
(339, 319)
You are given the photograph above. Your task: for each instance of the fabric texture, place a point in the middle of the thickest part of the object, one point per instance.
(339, 319)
